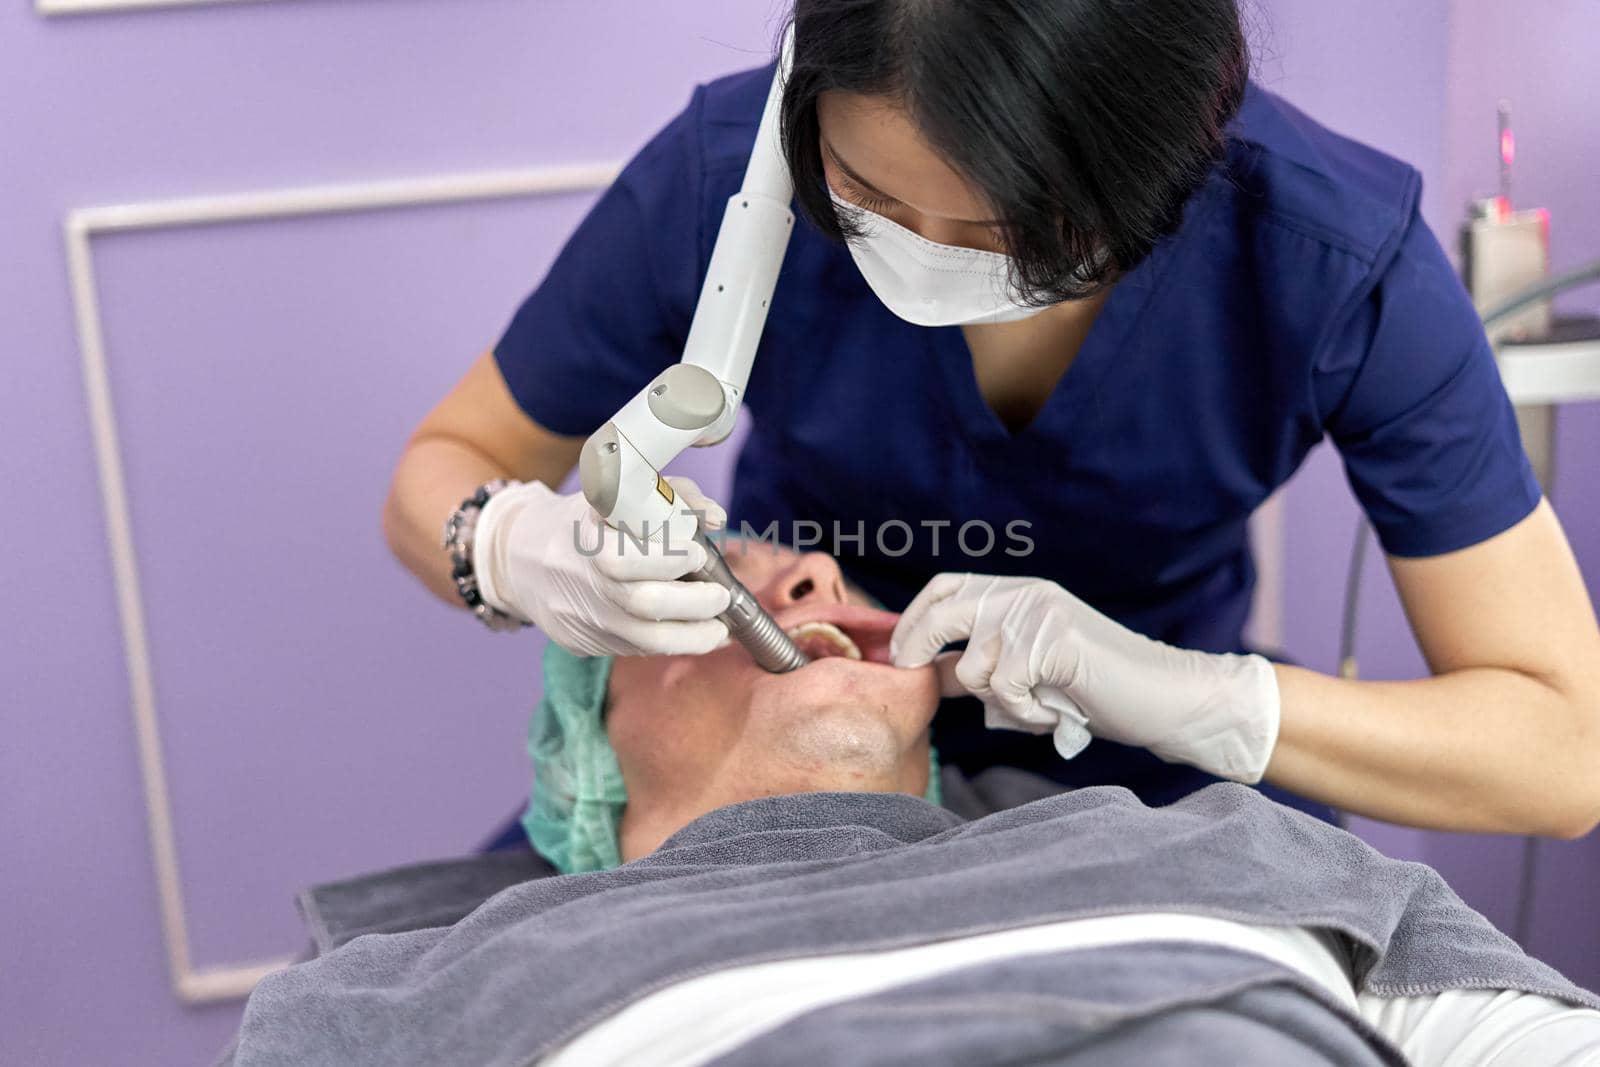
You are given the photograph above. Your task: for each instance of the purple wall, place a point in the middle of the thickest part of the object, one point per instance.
(1424, 87)
(1540, 57)
(1386, 88)
(322, 715)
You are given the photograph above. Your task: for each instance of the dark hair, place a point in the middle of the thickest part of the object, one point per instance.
(1086, 124)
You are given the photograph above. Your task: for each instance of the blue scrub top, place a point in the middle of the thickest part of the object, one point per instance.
(1302, 296)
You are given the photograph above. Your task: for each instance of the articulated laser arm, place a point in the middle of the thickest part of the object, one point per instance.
(696, 401)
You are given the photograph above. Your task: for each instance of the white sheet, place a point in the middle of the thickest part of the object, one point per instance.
(1456, 1028)
(733, 1006)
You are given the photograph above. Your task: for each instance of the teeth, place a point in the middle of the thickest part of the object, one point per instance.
(828, 632)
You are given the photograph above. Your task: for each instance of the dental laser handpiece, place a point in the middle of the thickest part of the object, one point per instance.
(695, 402)
(747, 621)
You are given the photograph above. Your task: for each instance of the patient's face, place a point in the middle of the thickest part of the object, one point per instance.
(694, 733)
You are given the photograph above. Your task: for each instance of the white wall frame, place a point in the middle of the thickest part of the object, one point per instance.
(96, 7)
(229, 981)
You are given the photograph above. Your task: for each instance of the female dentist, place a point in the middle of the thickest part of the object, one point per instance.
(1061, 272)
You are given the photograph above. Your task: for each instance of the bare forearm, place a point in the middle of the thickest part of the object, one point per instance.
(432, 478)
(1485, 749)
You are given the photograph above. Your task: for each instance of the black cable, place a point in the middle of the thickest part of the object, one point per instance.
(1522, 924)
(1542, 290)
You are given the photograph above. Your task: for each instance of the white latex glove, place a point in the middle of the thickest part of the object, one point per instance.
(620, 600)
(1027, 637)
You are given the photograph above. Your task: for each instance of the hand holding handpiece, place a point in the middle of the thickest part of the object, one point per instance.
(1042, 660)
(549, 559)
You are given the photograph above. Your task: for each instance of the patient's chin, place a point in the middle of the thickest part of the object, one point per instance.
(848, 747)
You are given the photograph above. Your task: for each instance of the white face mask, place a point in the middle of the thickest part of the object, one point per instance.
(927, 283)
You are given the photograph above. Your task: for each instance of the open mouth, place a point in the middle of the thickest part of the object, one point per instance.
(841, 631)
(820, 640)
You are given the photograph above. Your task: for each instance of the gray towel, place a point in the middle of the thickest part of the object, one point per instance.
(413, 897)
(834, 872)
(442, 892)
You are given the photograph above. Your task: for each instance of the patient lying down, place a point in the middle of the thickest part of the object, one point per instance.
(694, 733)
(791, 897)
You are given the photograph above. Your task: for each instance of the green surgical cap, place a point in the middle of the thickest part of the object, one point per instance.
(574, 816)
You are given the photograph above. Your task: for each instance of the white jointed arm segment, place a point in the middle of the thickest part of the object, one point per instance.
(696, 401)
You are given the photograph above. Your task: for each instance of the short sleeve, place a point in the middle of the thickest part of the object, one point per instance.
(1410, 394)
(615, 308)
